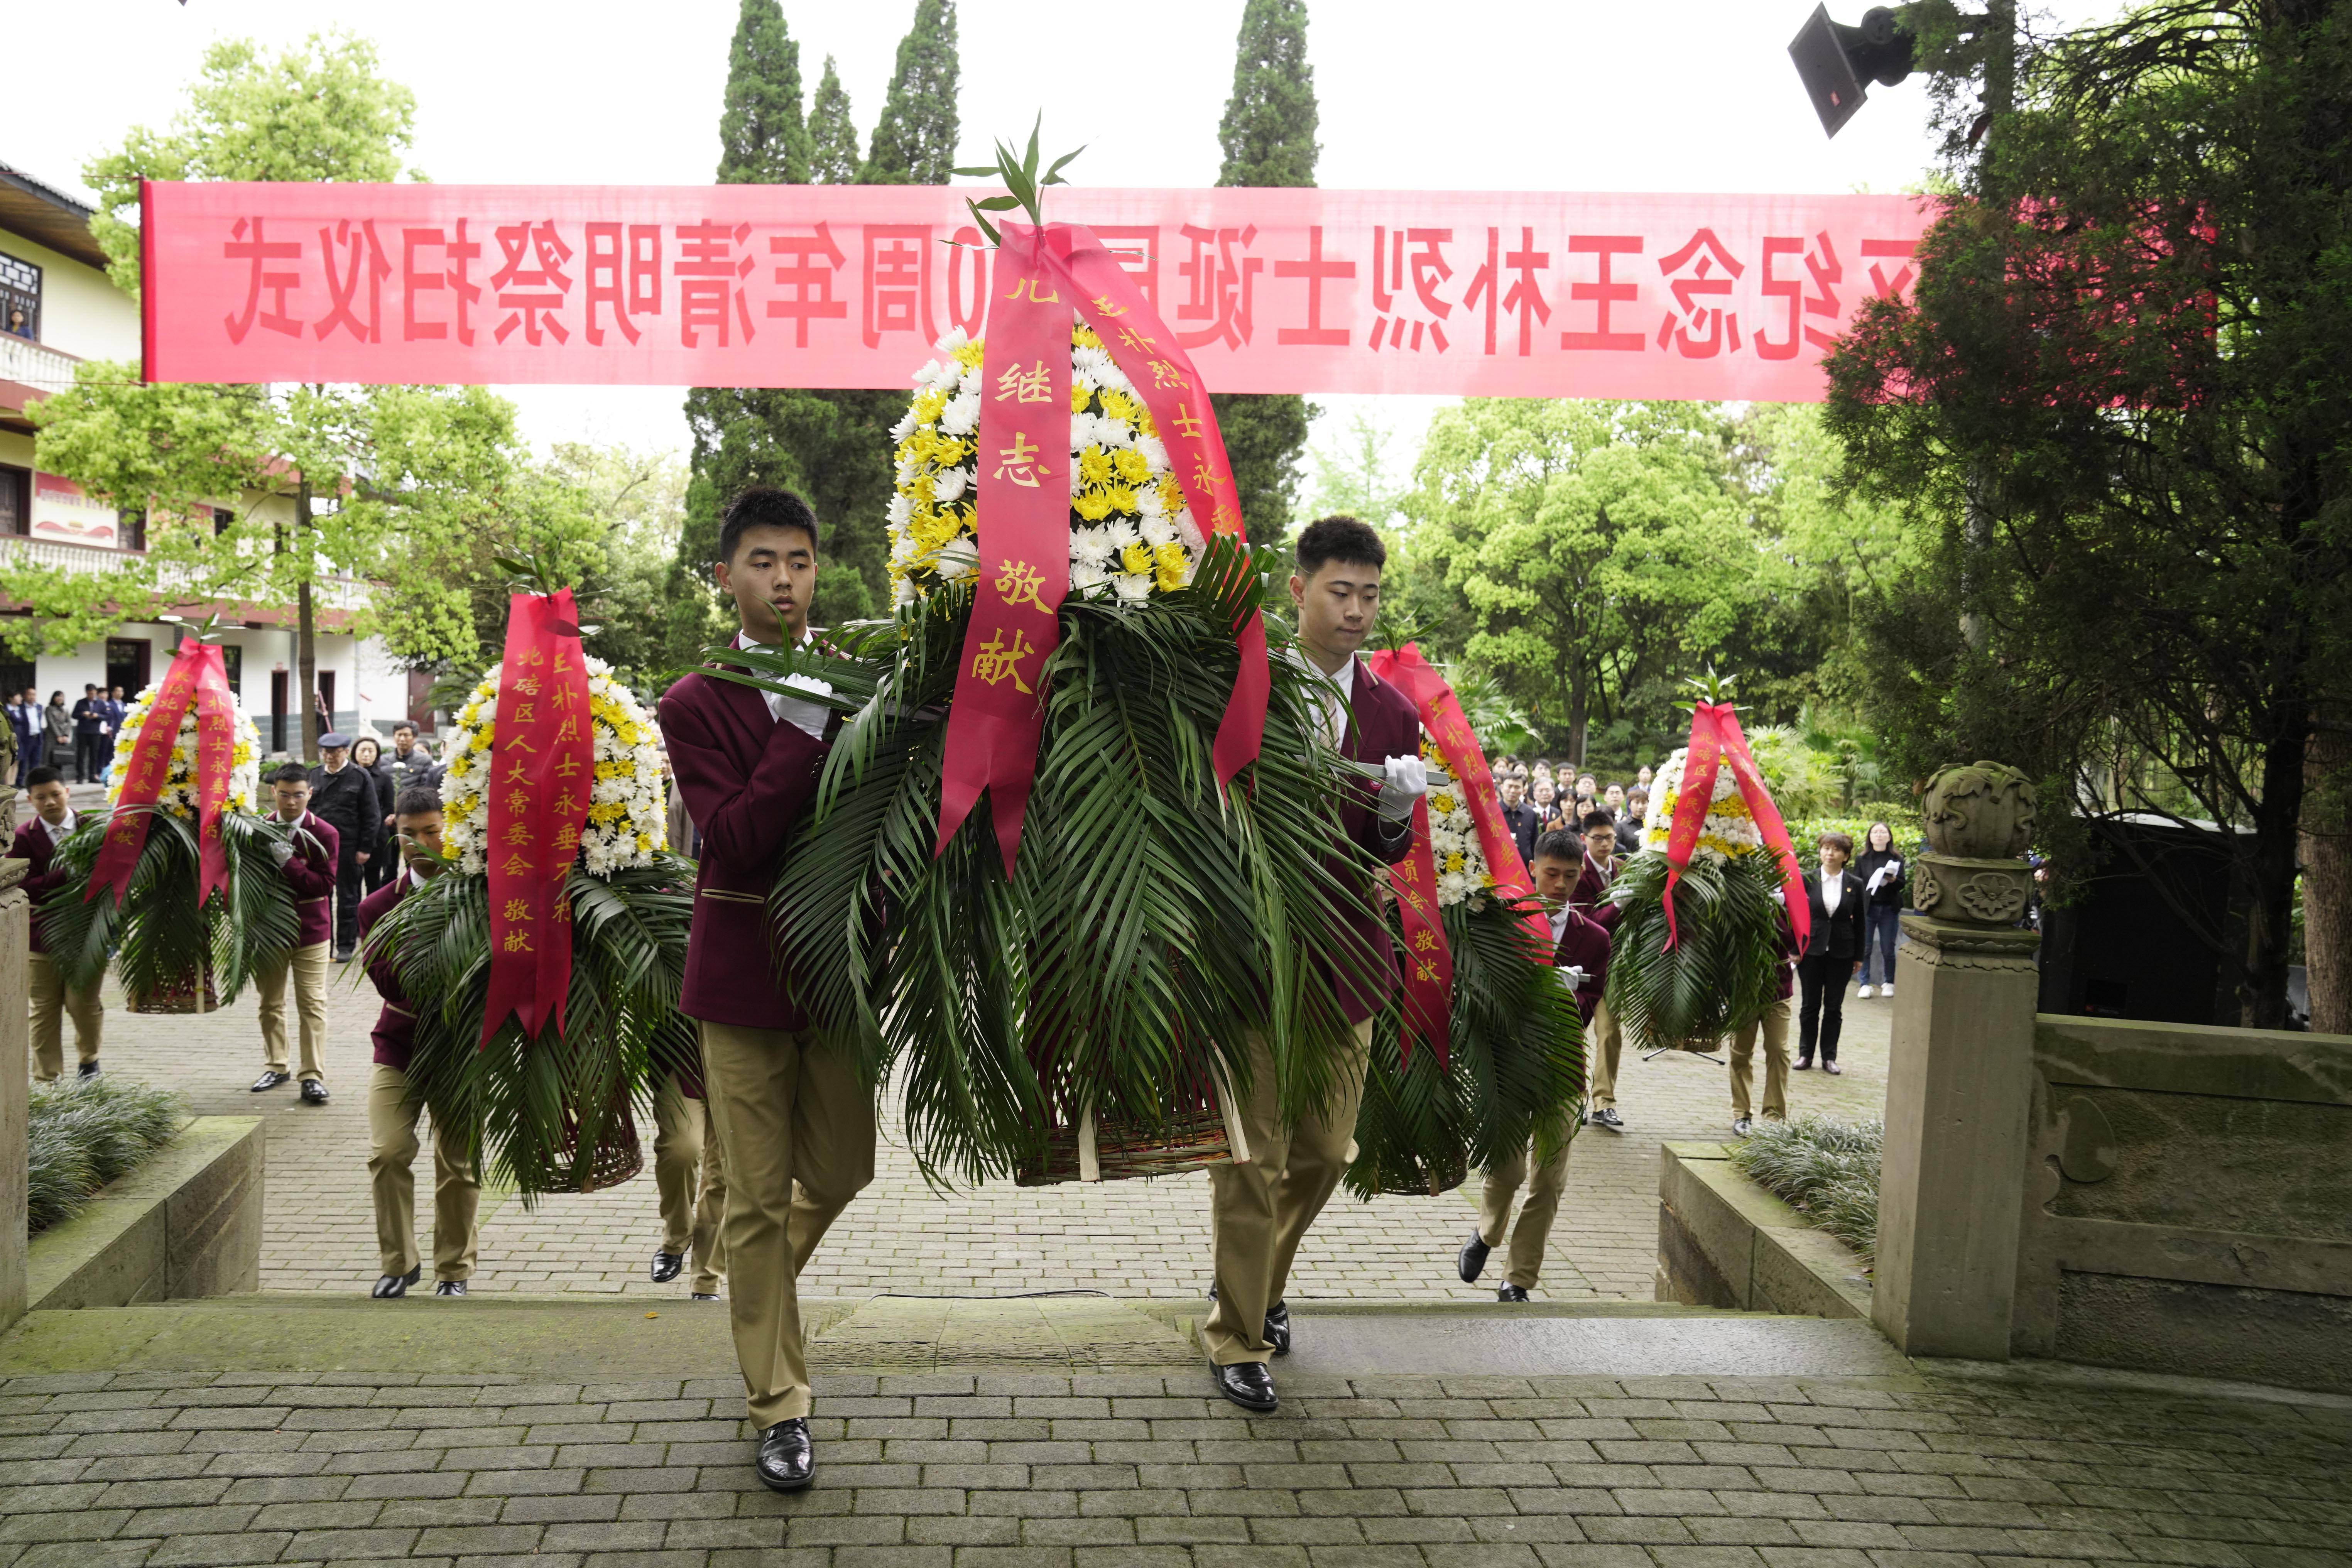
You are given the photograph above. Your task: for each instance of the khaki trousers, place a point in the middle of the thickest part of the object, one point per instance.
(392, 1154)
(1776, 1063)
(1259, 1211)
(309, 967)
(1529, 1236)
(1604, 1041)
(692, 1209)
(795, 1128)
(53, 1003)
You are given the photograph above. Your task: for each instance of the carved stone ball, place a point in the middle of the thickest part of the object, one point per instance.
(1981, 812)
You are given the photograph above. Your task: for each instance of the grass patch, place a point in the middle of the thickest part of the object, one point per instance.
(1827, 1170)
(82, 1133)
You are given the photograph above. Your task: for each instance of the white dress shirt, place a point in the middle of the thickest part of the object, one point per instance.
(809, 716)
(1335, 707)
(58, 831)
(1832, 889)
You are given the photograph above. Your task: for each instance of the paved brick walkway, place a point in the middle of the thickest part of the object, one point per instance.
(1129, 1238)
(1023, 1471)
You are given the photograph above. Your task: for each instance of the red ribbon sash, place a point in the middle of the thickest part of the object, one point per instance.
(1023, 504)
(143, 776)
(216, 756)
(1442, 716)
(542, 764)
(1428, 962)
(1715, 739)
(1023, 526)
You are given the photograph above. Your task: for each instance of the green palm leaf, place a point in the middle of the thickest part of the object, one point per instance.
(1718, 976)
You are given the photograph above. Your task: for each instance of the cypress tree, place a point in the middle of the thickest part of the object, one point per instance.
(914, 141)
(762, 140)
(1268, 138)
(833, 137)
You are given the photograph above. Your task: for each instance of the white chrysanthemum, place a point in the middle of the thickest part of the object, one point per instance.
(178, 794)
(628, 817)
(1729, 831)
(1116, 474)
(1461, 869)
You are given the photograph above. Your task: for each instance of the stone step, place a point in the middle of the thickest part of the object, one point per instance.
(568, 1338)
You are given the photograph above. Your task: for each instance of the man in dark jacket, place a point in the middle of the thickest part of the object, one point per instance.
(1604, 1041)
(344, 797)
(1581, 952)
(89, 731)
(307, 861)
(794, 1120)
(393, 1110)
(1282, 1174)
(1830, 948)
(53, 1000)
(1519, 818)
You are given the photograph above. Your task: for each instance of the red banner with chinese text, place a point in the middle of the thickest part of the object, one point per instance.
(1470, 293)
(542, 763)
(1442, 716)
(1023, 524)
(143, 777)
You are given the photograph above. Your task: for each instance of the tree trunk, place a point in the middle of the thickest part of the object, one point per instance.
(2326, 843)
(306, 641)
(1580, 712)
(2270, 916)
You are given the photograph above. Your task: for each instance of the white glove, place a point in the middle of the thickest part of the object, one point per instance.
(1574, 977)
(1408, 781)
(281, 853)
(1780, 897)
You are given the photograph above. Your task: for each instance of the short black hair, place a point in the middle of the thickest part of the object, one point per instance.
(1559, 844)
(291, 773)
(43, 774)
(1341, 539)
(1592, 819)
(1836, 841)
(87, 686)
(407, 724)
(763, 506)
(415, 801)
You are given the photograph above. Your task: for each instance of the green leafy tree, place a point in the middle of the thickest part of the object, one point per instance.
(2118, 397)
(914, 141)
(761, 139)
(1592, 547)
(319, 111)
(1268, 137)
(833, 134)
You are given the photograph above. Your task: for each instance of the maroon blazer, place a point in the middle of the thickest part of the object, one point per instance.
(33, 844)
(395, 1026)
(1586, 900)
(1585, 944)
(1382, 723)
(311, 874)
(746, 778)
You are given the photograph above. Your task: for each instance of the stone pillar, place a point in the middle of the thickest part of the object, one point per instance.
(16, 929)
(1959, 1076)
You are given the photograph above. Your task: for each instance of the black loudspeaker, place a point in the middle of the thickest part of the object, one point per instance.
(2140, 943)
(1834, 60)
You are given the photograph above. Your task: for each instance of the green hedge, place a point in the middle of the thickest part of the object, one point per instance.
(82, 1133)
(1903, 817)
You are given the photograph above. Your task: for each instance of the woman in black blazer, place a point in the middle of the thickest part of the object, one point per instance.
(1831, 950)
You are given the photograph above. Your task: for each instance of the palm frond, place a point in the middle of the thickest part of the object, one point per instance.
(1718, 976)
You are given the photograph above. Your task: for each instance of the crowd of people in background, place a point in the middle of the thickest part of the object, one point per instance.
(51, 734)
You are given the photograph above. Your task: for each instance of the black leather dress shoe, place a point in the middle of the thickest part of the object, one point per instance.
(314, 1091)
(450, 1288)
(1511, 1293)
(1277, 1328)
(787, 1462)
(699, 1296)
(271, 1078)
(1247, 1383)
(1802, 1064)
(666, 1264)
(88, 1069)
(1473, 1259)
(393, 1285)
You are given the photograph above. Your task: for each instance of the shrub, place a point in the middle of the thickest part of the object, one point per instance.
(1826, 1170)
(82, 1133)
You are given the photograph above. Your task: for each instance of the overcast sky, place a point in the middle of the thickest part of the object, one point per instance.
(1540, 95)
